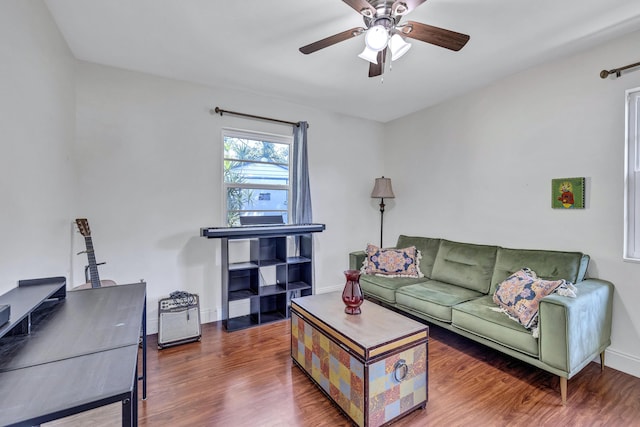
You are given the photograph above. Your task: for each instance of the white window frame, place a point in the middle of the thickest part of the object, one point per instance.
(632, 176)
(256, 136)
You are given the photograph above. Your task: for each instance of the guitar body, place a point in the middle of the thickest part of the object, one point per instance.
(83, 227)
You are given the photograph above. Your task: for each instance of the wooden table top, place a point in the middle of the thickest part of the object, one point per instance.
(374, 327)
(89, 321)
(81, 355)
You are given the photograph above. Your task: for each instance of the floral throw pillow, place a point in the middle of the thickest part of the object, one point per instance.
(392, 262)
(520, 294)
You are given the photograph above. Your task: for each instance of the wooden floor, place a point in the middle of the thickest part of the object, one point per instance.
(246, 378)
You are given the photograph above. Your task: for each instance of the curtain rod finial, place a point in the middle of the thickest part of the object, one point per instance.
(604, 74)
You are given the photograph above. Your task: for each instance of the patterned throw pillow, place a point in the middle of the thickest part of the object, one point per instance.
(392, 262)
(520, 294)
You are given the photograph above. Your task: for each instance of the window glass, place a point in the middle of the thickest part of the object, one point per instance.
(256, 175)
(632, 177)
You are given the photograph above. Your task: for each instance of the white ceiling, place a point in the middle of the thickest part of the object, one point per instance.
(253, 45)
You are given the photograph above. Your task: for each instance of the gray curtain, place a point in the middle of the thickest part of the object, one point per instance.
(301, 197)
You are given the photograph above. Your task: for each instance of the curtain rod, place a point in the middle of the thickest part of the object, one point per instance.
(604, 73)
(220, 111)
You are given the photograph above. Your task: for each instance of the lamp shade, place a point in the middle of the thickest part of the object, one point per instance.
(376, 38)
(369, 55)
(398, 47)
(382, 189)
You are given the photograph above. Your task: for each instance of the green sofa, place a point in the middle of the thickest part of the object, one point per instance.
(457, 290)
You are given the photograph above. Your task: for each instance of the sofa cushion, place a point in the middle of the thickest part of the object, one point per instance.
(464, 264)
(433, 298)
(404, 262)
(520, 294)
(550, 265)
(478, 317)
(428, 248)
(384, 288)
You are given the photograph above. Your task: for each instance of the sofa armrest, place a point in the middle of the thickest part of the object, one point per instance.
(572, 331)
(356, 259)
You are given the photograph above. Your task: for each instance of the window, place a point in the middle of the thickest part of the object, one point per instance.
(256, 175)
(632, 177)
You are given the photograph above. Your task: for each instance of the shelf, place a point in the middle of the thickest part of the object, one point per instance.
(296, 286)
(27, 298)
(268, 250)
(270, 262)
(241, 294)
(266, 278)
(271, 316)
(297, 259)
(242, 266)
(242, 283)
(299, 273)
(240, 322)
(272, 289)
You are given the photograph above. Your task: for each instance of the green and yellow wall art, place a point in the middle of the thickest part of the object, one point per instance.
(567, 193)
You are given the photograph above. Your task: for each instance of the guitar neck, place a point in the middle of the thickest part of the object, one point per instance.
(93, 266)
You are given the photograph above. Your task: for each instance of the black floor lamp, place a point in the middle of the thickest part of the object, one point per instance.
(382, 190)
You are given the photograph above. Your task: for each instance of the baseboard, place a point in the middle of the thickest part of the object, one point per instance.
(621, 361)
(208, 315)
(327, 289)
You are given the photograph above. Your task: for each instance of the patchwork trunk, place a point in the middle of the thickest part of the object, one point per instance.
(372, 384)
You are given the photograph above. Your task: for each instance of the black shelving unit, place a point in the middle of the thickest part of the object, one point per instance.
(268, 293)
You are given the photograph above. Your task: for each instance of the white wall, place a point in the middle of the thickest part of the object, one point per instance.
(149, 154)
(37, 114)
(142, 163)
(482, 166)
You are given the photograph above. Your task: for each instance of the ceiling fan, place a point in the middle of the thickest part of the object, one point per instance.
(384, 32)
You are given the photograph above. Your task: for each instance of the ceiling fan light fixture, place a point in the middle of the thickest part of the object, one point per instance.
(376, 38)
(398, 47)
(385, 33)
(369, 55)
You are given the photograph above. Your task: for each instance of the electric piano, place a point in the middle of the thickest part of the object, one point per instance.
(266, 230)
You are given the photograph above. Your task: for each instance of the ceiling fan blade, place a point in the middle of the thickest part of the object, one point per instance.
(434, 35)
(331, 40)
(360, 6)
(409, 5)
(377, 69)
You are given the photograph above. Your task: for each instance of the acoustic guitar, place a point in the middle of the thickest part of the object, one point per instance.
(95, 282)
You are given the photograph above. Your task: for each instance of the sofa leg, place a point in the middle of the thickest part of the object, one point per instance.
(602, 361)
(563, 390)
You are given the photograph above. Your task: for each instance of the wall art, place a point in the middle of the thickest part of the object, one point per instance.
(567, 193)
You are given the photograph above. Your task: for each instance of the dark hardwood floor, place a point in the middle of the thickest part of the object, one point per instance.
(246, 378)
